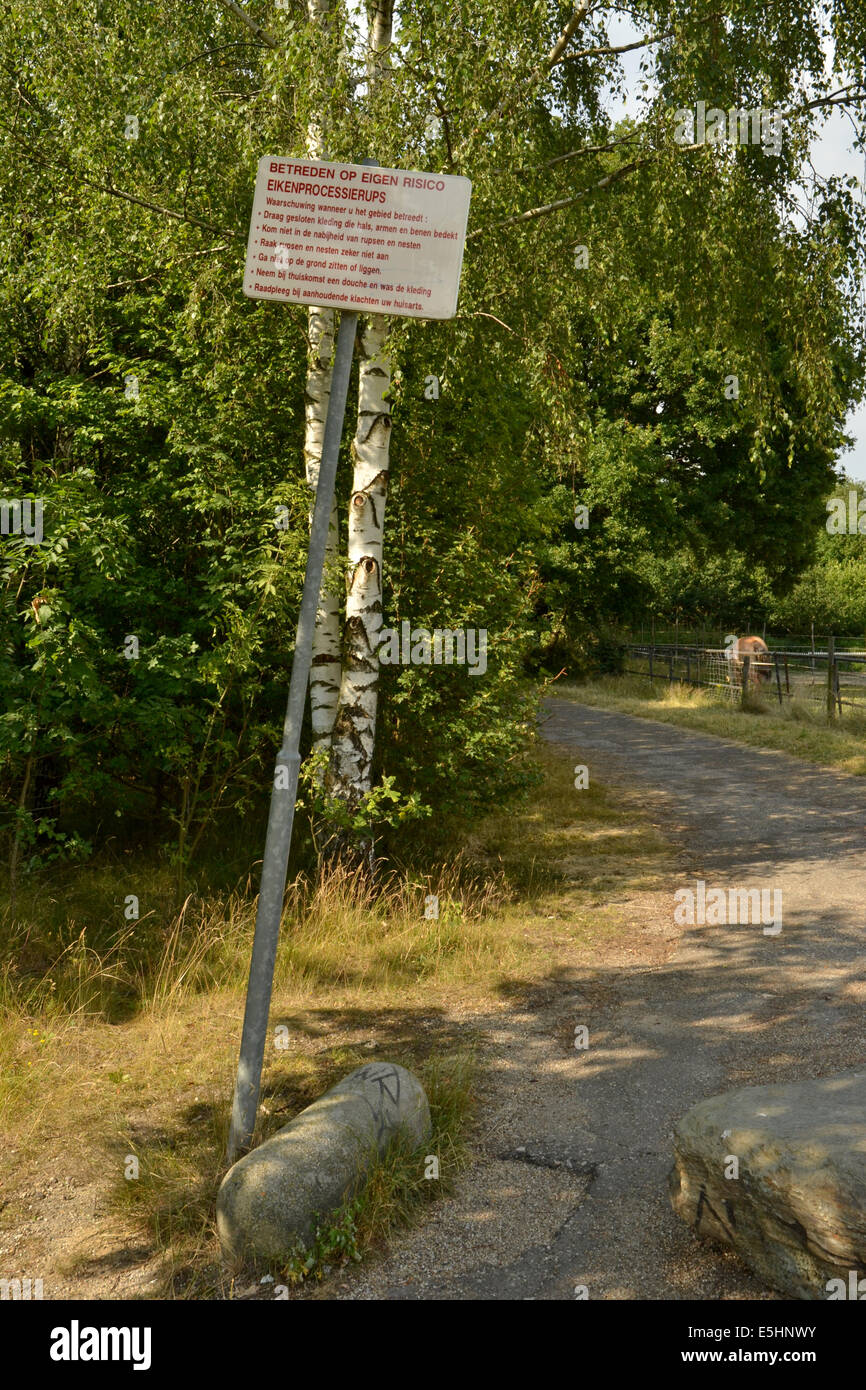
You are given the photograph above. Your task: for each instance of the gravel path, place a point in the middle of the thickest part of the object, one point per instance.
(570, 1191)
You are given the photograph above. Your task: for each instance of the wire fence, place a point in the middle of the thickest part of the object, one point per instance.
(834, 680)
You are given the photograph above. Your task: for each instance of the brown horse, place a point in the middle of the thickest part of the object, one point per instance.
(760, 666)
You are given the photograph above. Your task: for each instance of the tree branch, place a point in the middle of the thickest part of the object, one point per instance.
(209, 52)
(571, 154)
(538, 72)
(838, 98)
(426, 76)
(640, 43)
(619, 48)
(553, 57)
(565, 38)
(122, 284)
(251, 24)
(480, 314)
(533, 213)
(77, 178)
(152, 207)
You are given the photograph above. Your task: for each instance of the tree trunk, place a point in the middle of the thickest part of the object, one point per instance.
(325, 668)
(354, 735)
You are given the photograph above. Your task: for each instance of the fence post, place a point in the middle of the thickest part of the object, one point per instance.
(787, 678)
(746, 663)
(688, 667)
(670, 668)
(831, 676)
(651, 650)
(778, 677)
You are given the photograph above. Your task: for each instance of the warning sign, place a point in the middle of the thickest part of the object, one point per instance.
(354, 236)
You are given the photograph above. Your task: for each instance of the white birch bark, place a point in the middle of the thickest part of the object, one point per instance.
(326, 662)
(354, 735)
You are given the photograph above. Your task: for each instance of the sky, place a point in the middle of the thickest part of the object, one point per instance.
(832, 153)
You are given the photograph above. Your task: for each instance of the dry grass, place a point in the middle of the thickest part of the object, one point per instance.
(128, 1048)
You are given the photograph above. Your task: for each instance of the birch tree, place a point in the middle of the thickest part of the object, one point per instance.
(325, 668)
(354, 731)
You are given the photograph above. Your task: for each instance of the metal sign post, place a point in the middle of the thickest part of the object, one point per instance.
(355, 237)
(282, 814)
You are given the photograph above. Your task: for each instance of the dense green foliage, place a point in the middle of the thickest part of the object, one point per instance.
(602, 384)
(730, 592)
(831, 593)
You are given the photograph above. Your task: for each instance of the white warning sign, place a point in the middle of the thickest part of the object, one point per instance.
(355, 236)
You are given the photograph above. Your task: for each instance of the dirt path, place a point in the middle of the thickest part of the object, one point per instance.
(570, 1190)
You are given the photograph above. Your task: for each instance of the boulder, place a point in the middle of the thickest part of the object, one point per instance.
(793, 1205)
(268, 1200)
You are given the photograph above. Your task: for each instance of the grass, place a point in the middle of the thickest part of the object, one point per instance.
(796, 727)
(171, 1197)
(120, 1039)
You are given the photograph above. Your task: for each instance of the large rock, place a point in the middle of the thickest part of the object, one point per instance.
(796, 1212)
(267, 1201)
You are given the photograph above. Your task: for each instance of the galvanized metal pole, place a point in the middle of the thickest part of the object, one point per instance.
(282, 814)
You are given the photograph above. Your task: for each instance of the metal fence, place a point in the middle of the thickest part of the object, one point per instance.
(834, 680)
